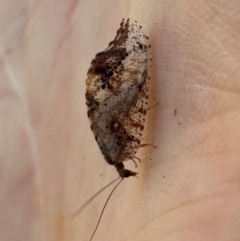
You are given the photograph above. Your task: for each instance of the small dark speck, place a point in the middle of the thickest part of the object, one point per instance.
(163, 176)
(110, 73)
(179, 123)
(175, 111)
(140, 45)
(103, 86)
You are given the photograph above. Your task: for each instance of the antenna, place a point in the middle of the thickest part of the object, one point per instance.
(104, 208)
(80, 209)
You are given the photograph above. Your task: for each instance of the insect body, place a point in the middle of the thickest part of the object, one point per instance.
(117, 95)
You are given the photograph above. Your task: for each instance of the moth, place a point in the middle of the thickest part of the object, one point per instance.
(117, 95)
(117, 89)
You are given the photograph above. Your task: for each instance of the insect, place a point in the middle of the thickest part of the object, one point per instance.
(117, 95)
(117, 99)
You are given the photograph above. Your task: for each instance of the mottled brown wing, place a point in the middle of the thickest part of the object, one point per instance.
(132, 125)
(116, 95)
